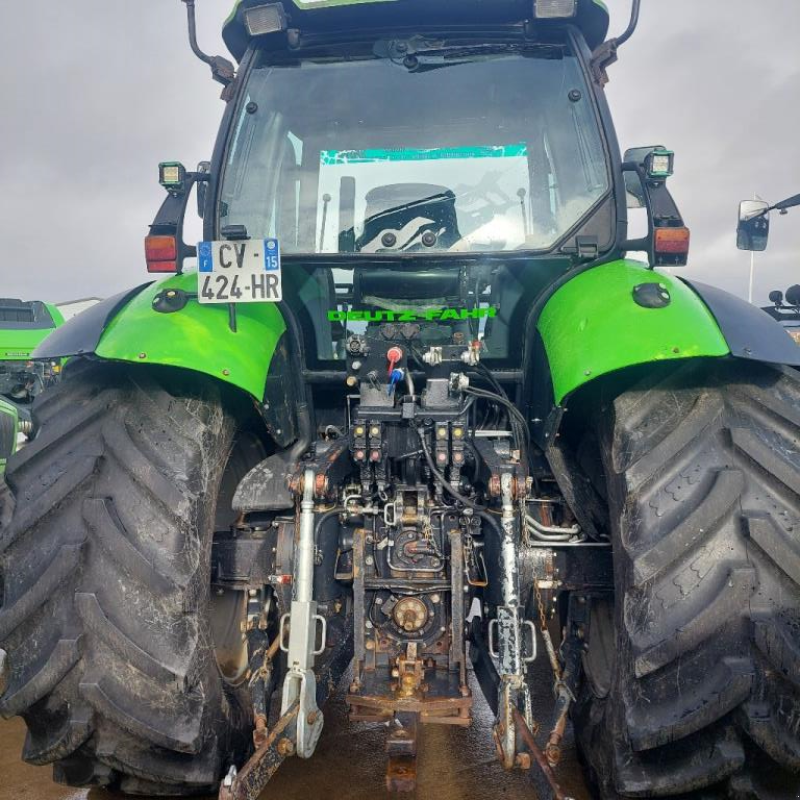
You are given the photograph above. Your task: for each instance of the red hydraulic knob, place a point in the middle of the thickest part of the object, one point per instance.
(394, 355)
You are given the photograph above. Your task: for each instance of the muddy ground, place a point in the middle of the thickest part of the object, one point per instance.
(349, 764)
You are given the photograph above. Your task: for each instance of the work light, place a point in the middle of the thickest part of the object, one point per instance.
(660, 164)
(554, 9)
(172, 176)
(265, 19)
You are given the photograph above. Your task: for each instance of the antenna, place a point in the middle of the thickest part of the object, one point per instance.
(221, 69)
(606, 53)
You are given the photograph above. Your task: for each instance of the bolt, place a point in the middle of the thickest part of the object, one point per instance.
(312, 717)
(142, 355)
(435, 598)
(253, 593)
(285, 747)
(226, 372)
(523, 761)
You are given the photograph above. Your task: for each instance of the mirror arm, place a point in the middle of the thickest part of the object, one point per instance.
(661, 210)
(221, 69)
(634, 22)
(607, 53)
(645, 243)
(170, 217)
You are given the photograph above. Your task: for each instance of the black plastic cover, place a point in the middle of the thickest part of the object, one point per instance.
(81, 335)
(749, 331)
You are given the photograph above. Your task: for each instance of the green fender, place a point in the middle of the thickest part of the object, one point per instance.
(197, 337)
(592, 325)
(9, 428)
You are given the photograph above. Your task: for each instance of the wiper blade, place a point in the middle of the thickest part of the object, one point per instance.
(420, 55)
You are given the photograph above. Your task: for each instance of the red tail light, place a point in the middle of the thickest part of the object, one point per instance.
(671, 247)
(161, 253)
(672, 241)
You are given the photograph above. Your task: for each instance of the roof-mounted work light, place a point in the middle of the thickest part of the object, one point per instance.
(554, 9)
(262, 20)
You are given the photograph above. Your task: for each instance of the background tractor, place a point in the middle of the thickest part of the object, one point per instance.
(24, 326)
(414, 410)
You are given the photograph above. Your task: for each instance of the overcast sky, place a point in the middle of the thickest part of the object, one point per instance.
(94, 93)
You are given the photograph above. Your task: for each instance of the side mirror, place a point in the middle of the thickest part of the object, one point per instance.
(793, 295)
(752, 232)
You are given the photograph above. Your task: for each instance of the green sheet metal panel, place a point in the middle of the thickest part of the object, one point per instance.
(593, 326)
(198, 337)
(18, 344)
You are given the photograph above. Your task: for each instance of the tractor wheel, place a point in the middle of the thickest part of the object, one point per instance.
(692, 676)
(127, 669)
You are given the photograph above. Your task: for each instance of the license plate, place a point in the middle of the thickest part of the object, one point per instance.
(239, 272)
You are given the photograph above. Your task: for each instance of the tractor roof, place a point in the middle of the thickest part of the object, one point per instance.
(338, 15)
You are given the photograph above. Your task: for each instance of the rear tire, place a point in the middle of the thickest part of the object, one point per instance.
(105, 564)
(699, 695)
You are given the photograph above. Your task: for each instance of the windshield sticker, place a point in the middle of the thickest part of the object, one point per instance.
(330, 158)
(427, 315)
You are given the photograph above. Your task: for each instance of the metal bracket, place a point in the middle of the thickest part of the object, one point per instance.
(300, 687)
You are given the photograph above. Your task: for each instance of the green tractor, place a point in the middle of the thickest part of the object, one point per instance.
(414, 412)
(24, 326)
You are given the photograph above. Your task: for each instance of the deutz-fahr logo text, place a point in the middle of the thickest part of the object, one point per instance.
(428, 315)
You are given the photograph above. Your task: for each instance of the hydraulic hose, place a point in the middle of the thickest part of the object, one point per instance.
(441, 478)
